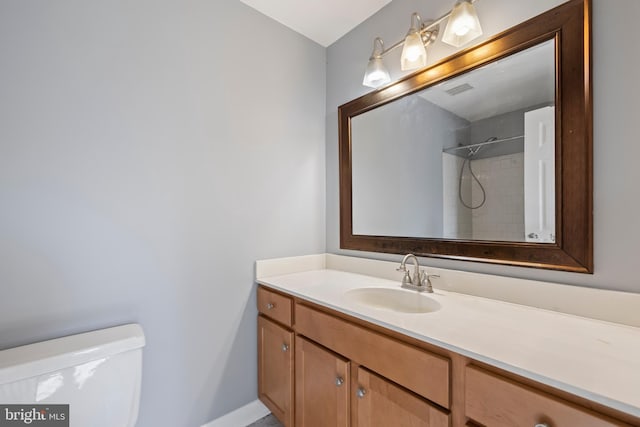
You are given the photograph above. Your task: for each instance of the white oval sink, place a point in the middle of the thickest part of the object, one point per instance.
(398, 300)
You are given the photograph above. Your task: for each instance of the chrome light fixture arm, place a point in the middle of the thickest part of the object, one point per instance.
(428, 32)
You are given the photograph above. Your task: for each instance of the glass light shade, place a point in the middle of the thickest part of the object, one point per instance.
(376, 74)
(463, 25)
(414, 54)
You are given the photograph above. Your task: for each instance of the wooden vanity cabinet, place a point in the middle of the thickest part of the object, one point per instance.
(415, 369)
(349, 372)
(380, 403)
(276, 349)
(393, 383)
(322, 386)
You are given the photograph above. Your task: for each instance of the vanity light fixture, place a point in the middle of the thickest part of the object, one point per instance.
(462, 27)
(376, 74)
(414, 52)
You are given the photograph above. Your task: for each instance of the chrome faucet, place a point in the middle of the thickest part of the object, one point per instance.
(407, 280)
(421, 281)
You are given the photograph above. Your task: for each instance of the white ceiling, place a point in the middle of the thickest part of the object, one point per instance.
(323, 21)
(519, 81)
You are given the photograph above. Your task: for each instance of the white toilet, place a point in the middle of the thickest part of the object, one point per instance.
(97, 373)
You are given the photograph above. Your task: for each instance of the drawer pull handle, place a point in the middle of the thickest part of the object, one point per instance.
(270, 306)
(542, 425)
(285, 347)
(339, 381)
(361, 392)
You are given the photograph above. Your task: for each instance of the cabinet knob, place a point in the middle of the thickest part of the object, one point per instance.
(361, 392)
(270, 306)
(285, 347)
(339, 381)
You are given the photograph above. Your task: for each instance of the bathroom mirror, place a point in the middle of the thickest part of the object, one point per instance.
(467, 158)
(484, 156)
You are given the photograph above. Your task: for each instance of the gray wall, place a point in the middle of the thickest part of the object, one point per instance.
(150, 152)
(400, 200)
(507, 125)
(616, 103)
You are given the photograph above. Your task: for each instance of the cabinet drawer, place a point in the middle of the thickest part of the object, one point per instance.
(422, 372)
(276, 306)
(497, 401)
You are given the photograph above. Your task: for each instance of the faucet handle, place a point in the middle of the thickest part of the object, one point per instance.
(406, 280)
(425, 280)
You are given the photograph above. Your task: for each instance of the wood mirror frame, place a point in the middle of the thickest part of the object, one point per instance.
(569, 25)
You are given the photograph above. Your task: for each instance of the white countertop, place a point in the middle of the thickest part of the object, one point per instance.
(594, 359)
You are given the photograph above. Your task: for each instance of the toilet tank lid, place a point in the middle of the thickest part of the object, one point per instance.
(47, 356)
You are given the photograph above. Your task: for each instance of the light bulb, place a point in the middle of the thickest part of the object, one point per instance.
(376, 74)
(462, 30)
(414, 54)
(463, 25)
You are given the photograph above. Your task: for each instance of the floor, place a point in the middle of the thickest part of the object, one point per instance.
(268, 421)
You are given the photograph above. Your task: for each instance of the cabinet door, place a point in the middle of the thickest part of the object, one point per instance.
(413, 368)
(322, 386)
(380, 403)
(275, 369)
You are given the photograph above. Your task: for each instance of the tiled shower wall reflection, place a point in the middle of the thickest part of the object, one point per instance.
(456, 218)
(502, 215)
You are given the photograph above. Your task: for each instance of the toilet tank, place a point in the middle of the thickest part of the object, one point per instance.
(98, 374)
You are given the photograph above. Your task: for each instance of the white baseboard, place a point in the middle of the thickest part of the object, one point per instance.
(241, 417)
